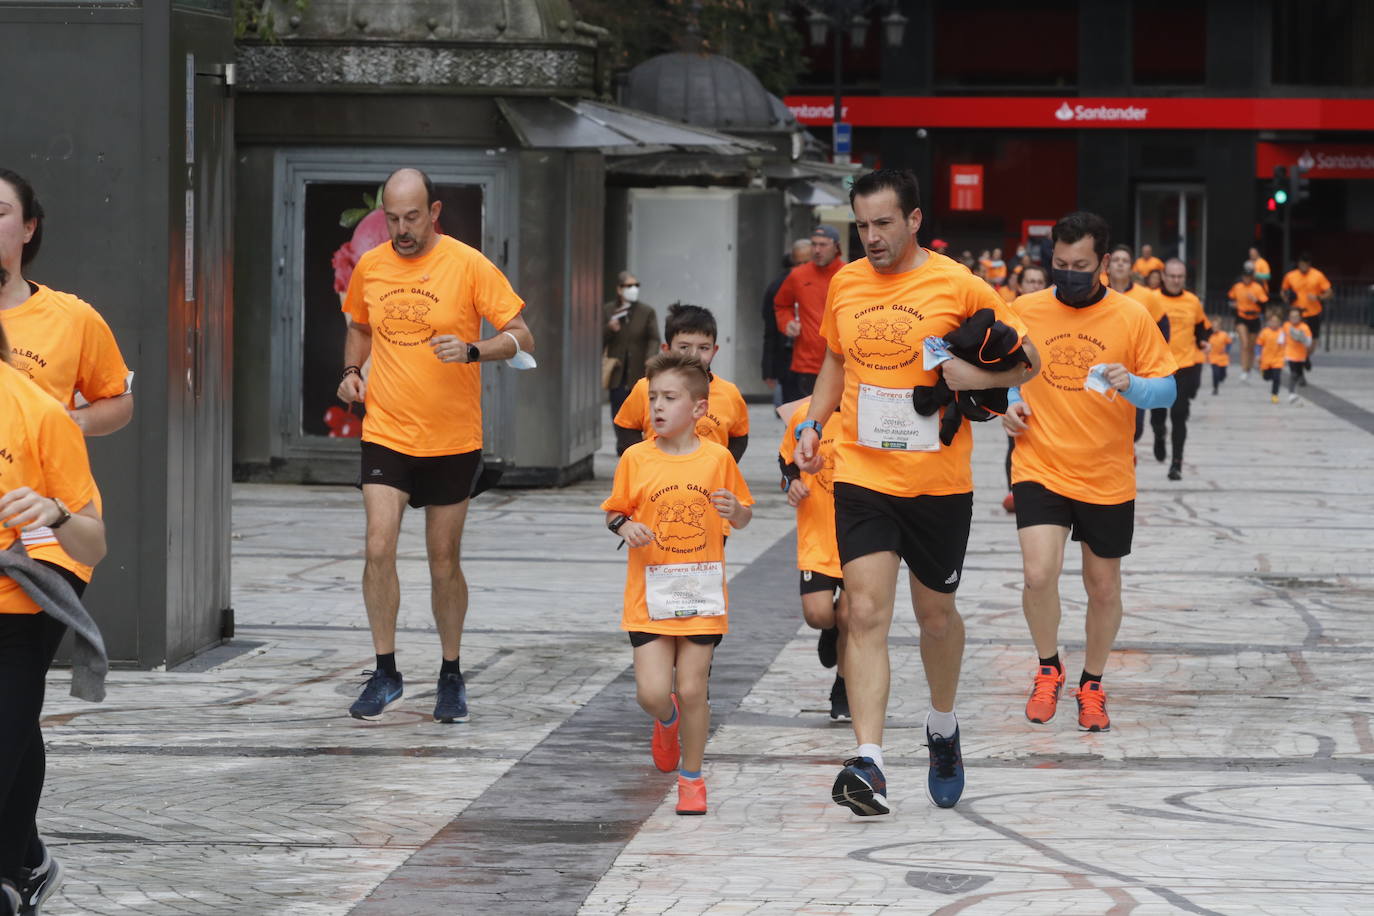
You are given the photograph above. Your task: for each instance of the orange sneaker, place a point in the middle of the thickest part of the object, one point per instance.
(691, 795)
(1092, 708)
(1044, 695)
(665, 747)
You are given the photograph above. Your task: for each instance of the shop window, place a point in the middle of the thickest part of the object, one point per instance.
(1170, 43)
(1010, 43)
(1323, 43)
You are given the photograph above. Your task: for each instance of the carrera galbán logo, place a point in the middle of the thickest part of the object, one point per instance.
(884, 336)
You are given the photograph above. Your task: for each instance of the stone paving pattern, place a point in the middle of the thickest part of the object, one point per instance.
(1238, 776)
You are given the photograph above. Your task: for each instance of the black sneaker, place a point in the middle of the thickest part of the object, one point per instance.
(861, 787)
(39, 884)
(945, 783)
(839, 699)
(1175, 472)
(451, 704)
(827, 646)
(1160, 453)
(380, 691)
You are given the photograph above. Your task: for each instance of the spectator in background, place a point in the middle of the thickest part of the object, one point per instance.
(799, 305)
(777, 346)
(629, 335)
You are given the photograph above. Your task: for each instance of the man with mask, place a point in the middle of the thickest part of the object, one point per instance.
(630, 335)
(1189, 332)
(799, 304)
(1073, 471)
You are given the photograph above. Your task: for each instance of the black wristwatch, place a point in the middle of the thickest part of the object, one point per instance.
(474, 354)
(65, 517)
(615, 523)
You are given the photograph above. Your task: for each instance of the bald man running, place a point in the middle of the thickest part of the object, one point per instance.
(415, 305)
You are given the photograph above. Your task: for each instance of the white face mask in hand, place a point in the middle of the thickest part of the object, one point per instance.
(630, 293)
(521, 359)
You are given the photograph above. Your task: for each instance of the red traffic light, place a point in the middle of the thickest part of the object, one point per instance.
(1272, 205)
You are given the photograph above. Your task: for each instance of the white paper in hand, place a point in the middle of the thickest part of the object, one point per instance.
(936, 352)
(1097, 381)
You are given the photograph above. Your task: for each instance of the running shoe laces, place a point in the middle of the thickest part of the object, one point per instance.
(1092, 704)
(944, 755)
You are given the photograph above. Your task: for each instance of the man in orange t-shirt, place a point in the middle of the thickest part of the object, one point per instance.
(1248, 296)
(1119, 278)
(1073, 470)
(1262, 271)
(1308, 289)
(415, 305)
(900, 494)
(798, 307)
(1189, 331)
(1146, 264)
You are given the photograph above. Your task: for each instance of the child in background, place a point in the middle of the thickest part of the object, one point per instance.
(818, 555)
(1270, 343)
(671, 501)
(1218, 353)
(689, 329)
(1297, 349)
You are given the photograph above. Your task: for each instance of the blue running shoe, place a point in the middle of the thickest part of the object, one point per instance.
(945, 783)
(451, 705)
(861, 787)
(380, 691)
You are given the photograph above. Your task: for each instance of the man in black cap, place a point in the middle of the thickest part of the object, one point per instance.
(799, 305)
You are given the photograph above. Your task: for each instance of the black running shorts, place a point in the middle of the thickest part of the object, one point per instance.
(812, 581)
(930, 533)
(1107, 530)
(441, 480)
(638, 638)
(1252, 323)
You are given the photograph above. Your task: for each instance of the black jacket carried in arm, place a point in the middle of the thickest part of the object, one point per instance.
(988, 344)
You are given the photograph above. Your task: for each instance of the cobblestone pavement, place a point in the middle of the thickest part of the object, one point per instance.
(1238, 775)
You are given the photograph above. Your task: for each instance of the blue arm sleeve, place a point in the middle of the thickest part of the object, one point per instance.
(1013, 395)
(1148, 393)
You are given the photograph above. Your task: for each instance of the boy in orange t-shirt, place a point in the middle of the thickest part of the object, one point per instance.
(1218, 354)
(689, 330)
(672, 499)
(818, 555)
(1270, 343)
(1296, 337)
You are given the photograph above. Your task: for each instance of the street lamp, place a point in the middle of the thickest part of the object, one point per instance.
(837, 17)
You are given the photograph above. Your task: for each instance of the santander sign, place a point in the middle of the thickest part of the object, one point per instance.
(1067, 112)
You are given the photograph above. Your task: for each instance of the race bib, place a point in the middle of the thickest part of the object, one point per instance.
(38, 537)
(887, 420)
(684, 590)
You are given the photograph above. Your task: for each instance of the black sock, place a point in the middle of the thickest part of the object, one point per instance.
(387, 663)
(1088, 677)
(449, 667)
(1053, 661)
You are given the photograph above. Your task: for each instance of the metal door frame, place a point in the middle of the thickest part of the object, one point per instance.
(1181, 188)
(293, 168)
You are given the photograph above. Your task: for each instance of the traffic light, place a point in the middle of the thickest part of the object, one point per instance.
(1300, 186)
(1278, 188)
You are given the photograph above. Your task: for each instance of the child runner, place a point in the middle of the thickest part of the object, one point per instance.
(1218, 354)
(1270, 342)
(691, 330)
(818, 556)
(1248, 296)
(670, 501)
(1297, 349)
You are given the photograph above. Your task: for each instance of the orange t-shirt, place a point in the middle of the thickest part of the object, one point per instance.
(1007, 293)
(1270, 341)
(1248, 297)
(671, 494)
(1185, 313)
(816, 546)
(42, 448)
(1078, 443)
(802, 296)
(1216, 354)
(417, 405)
(1293, 350)
(1307, 288)
(1150, 298)
(63, 344)
(1143, 267)
(877, 323)
(727, 416)
(1262, 273)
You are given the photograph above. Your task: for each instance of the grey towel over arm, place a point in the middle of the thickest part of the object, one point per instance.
(55, 596)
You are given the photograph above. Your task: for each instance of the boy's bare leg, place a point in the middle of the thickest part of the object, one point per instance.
(693, 675)
(654, 677)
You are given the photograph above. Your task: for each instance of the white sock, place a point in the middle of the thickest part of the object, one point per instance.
(941, 723)
(872, 752)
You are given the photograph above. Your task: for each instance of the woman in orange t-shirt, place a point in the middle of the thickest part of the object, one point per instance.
(46, 496)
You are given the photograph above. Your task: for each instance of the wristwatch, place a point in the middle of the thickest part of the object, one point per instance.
(64, 518)
(808, 424)
(616, 522)
(474, 354)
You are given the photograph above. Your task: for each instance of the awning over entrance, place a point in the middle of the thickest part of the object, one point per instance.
(553, 123)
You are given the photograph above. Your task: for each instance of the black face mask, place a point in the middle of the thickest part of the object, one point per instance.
(1074, 287)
